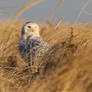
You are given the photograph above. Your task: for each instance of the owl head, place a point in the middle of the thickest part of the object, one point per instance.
(30, 29)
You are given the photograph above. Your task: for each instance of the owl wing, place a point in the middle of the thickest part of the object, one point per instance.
(41, 49)
(24, 49)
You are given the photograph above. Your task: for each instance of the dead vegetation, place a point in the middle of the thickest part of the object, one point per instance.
(67, 67)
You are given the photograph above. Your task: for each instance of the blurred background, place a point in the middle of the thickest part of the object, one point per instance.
(70, 9)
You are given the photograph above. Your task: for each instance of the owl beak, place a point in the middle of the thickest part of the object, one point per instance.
(32, 30)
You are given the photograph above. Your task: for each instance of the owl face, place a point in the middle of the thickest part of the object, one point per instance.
(31, 29)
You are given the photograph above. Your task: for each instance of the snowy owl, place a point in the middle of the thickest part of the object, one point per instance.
(32, 47)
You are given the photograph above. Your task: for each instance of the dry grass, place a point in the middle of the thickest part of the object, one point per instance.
(29, 5)
(59, 5)
(67, 67)
(82, 10)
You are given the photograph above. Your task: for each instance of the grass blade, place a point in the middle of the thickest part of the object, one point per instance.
(29, 5)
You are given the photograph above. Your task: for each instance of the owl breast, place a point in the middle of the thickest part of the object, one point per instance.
(33, 49)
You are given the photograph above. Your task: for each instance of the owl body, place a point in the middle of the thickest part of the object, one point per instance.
(32, 47)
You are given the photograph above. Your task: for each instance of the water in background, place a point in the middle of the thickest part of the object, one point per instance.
(42, 11)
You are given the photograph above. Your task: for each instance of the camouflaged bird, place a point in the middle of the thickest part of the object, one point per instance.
(32, 47)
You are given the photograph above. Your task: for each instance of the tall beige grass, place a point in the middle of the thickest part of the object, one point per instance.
(59, 5)
(29, 5)
(82, 10)
(67, 66)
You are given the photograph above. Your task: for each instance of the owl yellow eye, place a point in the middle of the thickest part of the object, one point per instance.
(29, 26)
(35, 26)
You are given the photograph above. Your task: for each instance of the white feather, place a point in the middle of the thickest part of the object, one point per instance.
(32, 47)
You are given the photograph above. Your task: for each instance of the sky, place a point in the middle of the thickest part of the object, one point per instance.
(69, 9)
